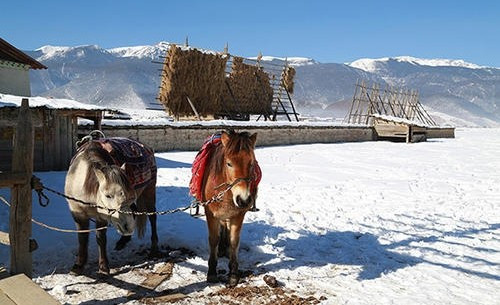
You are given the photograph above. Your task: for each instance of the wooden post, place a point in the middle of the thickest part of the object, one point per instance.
(20, 210)
(193, 108)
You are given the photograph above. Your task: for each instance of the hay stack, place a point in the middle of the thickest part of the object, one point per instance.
(287, 79)
(251, 90)
(194, 74)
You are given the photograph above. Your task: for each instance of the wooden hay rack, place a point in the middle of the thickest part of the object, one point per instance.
(232, 88)
(395, 113)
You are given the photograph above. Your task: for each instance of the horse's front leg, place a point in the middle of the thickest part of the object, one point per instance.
(235, 225)
(101, 242)
(82, 223)
(213, 240)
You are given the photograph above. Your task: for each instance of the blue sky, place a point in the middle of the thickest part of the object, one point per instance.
(328, 31)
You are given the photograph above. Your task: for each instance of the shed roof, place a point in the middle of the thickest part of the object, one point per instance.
(10, 53)
(7, 100)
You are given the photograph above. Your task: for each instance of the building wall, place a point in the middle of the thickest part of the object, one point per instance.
(14, 78)
(166, 138)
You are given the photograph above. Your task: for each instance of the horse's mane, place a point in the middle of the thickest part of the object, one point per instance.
(237, 142)
(98, 158)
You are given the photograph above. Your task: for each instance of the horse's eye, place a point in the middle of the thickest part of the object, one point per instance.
(109, 196)
(229, 164)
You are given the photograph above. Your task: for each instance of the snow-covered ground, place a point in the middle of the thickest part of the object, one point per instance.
(351, 223)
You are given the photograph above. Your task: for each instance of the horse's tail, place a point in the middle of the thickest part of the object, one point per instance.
(223, 249)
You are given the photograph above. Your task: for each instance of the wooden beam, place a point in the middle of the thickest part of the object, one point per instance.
(9, 179)
(20, 210)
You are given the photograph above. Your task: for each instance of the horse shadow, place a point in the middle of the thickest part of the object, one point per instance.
(363, 250)
(332, 248)
(167, 163)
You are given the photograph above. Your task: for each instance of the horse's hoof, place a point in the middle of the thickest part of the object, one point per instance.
(122, 242)
(76, 269)
(103, 272)
(233, 281)
(212, 278)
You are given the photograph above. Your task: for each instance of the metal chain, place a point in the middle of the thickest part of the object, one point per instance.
(39, 187)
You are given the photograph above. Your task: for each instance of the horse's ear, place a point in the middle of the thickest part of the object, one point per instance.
(100, 175)
(253, 138)
(224, 138)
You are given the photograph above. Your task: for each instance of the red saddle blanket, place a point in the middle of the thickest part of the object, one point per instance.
(140, 159)
(200, 163)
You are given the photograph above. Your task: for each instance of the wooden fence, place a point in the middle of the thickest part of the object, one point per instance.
(19, 181)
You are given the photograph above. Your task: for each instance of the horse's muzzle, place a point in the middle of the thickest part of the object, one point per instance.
(243, 204)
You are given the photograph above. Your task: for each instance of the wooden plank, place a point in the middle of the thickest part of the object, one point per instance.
(62, 140)
(391, 130)
(169, 298)
(154, 279)
(57, 140)
(4, 238)
(48, 138)
(5, 300)
(69, 140)
(22, 290)
(20, 210)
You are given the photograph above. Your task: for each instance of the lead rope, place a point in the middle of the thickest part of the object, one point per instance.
(41, 224)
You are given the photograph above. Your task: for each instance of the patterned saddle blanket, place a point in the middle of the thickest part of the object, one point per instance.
(200, 164)
(140, 159)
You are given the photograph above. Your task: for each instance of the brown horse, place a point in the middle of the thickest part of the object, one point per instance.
(99, 175)
(231, 162)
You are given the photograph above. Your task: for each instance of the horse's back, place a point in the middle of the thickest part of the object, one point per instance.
(139, 158)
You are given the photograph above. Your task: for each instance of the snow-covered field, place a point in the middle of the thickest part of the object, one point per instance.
(351, 223)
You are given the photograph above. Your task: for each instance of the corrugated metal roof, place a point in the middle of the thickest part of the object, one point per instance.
(10, 53)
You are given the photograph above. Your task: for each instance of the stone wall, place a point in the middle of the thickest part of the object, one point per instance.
(166, 138)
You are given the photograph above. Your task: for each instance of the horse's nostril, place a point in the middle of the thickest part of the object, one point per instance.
(243, 203)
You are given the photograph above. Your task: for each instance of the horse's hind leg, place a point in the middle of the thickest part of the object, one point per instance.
(101, 242)
(213, 240)
(148, 198)
(234, 243)
(82, 223)
(122, 242)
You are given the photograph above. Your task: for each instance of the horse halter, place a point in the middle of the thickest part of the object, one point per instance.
(248, 179)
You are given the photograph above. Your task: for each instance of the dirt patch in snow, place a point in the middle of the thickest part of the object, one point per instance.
(261, 295)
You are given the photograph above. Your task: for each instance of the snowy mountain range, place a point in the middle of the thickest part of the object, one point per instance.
(454, 90)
